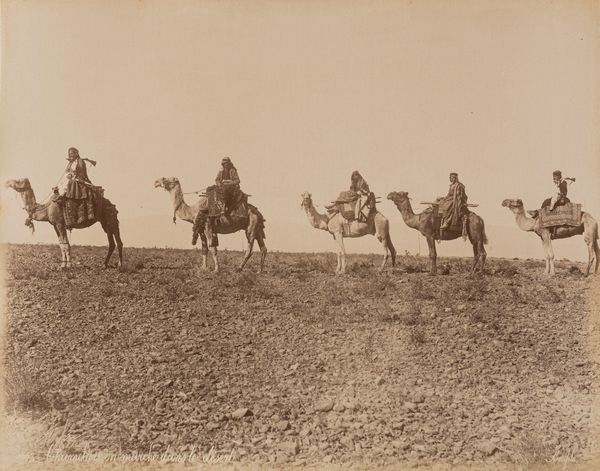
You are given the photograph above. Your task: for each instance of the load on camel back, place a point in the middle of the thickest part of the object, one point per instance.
(557, 213)
(355, 204)
(224, 199)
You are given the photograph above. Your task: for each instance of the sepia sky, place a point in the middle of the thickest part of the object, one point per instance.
(299, 94)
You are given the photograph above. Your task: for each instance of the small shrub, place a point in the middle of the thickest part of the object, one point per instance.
(23, 393)
(420, 290)
(417, 336)
(245, 280)
(171, 293)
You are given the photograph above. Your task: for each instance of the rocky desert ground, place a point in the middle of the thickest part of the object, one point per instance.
(297, 366)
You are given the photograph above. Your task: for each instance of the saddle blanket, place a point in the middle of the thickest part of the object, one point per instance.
(82, 211)
(566, 215)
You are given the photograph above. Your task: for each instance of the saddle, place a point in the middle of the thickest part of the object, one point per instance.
(226, 200)
(346, 203)
(438, 210)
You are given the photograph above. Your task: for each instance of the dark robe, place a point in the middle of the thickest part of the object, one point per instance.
(454, 205)
(76, 186)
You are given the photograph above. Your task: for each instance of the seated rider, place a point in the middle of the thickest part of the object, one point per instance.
(77, 184)
(228, 181)
(360, 186)
(561, 184)
(456, 205)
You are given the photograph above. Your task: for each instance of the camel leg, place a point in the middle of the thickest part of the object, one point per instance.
(479, 255)
(597, 252)
(482, 255)
(549, 255)
(392, 249)
(248, 251)
(432, 255)
(213, 252)
(263, 251)
(65, 247)
(339, 238)
(204, 251)
(475, 258)
(119, 247)
(213, 243)
(111, 248)
(63, 256)
(591, 242)
(591, 257)
(386, 252)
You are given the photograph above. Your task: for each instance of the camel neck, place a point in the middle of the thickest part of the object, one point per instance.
(37, 212)
(179, 204)
(410, 218)
(525, 223)
(318, 221)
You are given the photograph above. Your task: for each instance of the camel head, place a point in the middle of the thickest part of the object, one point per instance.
(19, 185)
(168, 183)
(398, 197)
(306, 200)
(515, 205)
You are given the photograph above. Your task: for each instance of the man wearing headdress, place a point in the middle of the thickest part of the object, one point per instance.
(228, 182)
(455, 204)
(561, 184)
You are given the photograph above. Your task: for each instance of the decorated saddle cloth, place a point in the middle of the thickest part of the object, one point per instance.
(568, 214)
(78, 211)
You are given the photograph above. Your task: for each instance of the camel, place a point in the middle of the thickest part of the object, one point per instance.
(53, 213)
(423, 222)
(253, 224)
(588, 227)
(336, 225)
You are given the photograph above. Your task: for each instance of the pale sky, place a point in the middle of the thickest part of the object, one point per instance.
(299, 94)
